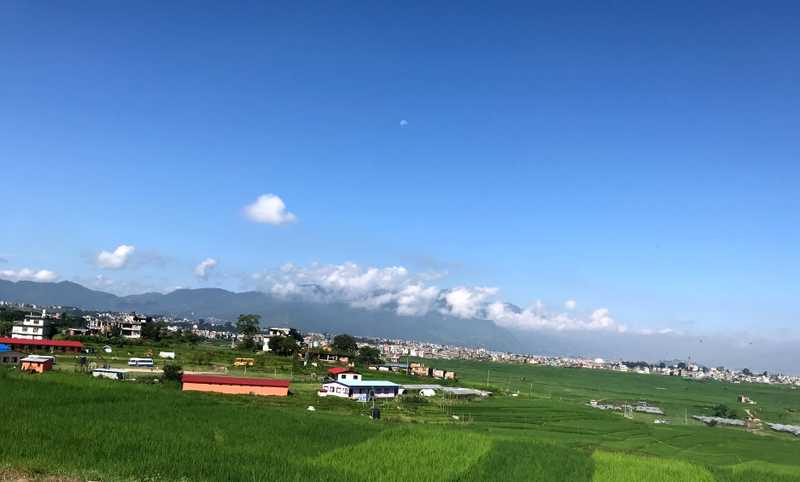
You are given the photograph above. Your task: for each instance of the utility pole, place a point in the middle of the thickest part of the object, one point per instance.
(487, 378)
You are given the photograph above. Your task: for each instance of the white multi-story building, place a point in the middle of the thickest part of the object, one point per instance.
(129, 324)
(272, 332)
(132, 325)
(33, 327)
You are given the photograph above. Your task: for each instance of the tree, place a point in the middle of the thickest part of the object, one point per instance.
(747, 372)
(11, 315)
(153, 330)
(724, 411)
(173, 372)
(344, 344)
(283, 345)
(248, 325)
(294, 333)
(368, 355)
(7, 319)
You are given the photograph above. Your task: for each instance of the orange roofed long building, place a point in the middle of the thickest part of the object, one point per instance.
(235, 385)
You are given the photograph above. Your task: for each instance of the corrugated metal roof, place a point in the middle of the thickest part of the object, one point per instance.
(32, 342)
(366, 383)
(217, 380)
(421, 386)
(37, 359)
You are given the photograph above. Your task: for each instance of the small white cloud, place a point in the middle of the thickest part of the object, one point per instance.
(601, 319)
(101, 281)
(117, 259)
(269, 209)
(570, 305)
(202, 270)
(403, 123)
(26, 274)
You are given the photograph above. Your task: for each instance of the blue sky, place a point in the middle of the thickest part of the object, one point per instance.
(638, 158)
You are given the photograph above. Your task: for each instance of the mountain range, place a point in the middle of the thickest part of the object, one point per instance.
(338, 317)
(329, 317)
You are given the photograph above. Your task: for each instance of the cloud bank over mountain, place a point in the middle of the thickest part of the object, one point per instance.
(398, 289)
(27, 274)
(736, 350)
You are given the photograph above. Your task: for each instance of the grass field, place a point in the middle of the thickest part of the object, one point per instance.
(65, 423)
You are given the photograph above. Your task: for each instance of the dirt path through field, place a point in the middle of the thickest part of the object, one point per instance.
(14, 476)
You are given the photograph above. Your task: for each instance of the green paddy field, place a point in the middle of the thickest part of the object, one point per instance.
(536, 427)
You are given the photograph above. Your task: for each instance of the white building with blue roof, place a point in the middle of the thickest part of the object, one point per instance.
(350, 385)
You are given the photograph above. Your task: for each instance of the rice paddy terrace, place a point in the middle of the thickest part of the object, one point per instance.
(537, 426)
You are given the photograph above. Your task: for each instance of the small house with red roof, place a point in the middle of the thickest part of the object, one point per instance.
(235, 385)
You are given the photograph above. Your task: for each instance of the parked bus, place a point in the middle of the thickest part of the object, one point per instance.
(244, 362)
(140, 362)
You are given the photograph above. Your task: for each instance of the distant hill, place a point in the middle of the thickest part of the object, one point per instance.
(309, 316)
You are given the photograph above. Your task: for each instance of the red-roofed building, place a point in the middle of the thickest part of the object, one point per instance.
(235, 385)
(25, 344)
(337, 370)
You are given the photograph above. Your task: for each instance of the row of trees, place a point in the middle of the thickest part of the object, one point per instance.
(249, 325)
(346, 345)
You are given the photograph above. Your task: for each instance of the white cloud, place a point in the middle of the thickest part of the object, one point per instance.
(663, 331)
(101, 281)
(403, 123)
(202, 269)
(409, 294)
(117, 259)
(26, 274)
(535, 317)
(466, 302)
(416, 300)
(269, 209)
(370, 287)
(345, 282)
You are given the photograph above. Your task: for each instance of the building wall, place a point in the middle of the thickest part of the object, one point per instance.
(9, 357)
(236, 389)
(336, 390)
(22, 335)
(38, 367)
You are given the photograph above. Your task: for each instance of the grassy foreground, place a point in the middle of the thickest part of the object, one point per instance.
(67, 424)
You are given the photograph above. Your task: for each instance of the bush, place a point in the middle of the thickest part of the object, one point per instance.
(173, 372)
(724, 411)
